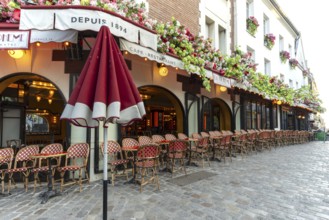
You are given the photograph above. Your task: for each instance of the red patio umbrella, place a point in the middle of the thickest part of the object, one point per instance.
(105, 92)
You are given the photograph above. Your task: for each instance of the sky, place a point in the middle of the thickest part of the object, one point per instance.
(310, 17)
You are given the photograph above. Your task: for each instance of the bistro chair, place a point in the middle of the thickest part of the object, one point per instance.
(145, 140)
(75, 160)
(6, 158)
(170, 137)
(129, 155)
(116, 160)
(200, 149)
(147, 164)
(176, 153)
(23, 164)
(182, 136)
(157, 138)
(42, 164)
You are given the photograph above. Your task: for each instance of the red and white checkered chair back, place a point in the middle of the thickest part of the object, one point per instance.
(157, 138)
(129, 142)
(25, 153)
(79, 150)
(52, 148)
(7, 154)
(178, 146)
(204, 134)
(112, 147)
(144, 140)
(170, 137)
(148, 151)
(182, 136)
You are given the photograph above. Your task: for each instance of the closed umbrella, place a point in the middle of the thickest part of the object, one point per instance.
(105, 92)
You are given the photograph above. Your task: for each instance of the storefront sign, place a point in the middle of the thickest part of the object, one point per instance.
(223, 81)
(14, 39)
(85, 19)
(54, 36)
(150, 54)
(156, 56)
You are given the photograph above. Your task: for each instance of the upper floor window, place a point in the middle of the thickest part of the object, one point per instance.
(222, 39)
(266, 25)
(290, 50)
(297, 85)
(249, 8)
(267, 67)
(291, 84)
(281, 43)
(210, 30)
(281, 77)
(252, 52)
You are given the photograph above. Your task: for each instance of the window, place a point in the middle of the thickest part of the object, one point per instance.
(249, 8)
(281, 77)
(266, 25)
(290, 50)
(267, 67)
(210, 30)
(281, 43)
(36, 124)
(221, 39)
(252, 51)
(297, 86)
(291, 84)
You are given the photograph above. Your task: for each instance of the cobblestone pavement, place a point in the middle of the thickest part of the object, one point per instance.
(291, 182)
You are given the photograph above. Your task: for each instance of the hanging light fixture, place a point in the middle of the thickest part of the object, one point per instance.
(16, 54)
(51, 93)
(38, 98)
(50, 101)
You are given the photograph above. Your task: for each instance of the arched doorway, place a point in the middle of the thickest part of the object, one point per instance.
(216, 115)
(164, 113)
(30, 110)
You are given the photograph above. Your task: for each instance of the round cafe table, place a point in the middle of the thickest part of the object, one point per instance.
(50, 192)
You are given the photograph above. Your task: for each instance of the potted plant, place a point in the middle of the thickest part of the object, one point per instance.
(269, 41)
(252, 25)
(284, 56)
(293, 63)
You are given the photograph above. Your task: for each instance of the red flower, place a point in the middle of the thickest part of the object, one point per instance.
(221, 72)
(214, 66)
(246, 73)
(17, 14)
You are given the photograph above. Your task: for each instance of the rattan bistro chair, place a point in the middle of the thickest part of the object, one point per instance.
(75, 160)
(147, 164)
(23, 164)
(176, 153)
(42, 164)
(6, 158)
(115, 160)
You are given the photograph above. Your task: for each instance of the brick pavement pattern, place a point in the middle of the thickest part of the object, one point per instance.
(290, 182)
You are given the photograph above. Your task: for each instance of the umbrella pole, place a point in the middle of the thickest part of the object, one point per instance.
(105, 180)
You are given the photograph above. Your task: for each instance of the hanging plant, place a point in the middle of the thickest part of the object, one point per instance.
(269, 41)
(293, 63)
(252, 25)
(284, 56)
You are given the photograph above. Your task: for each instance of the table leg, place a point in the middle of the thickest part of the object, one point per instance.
(133, 179)
(50, 192)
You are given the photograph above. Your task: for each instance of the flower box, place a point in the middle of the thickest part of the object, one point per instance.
(252, 25)
(293, 63)
(269, 41)
(284, 56)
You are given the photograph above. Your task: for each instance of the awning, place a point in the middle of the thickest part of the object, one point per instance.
(81, 18)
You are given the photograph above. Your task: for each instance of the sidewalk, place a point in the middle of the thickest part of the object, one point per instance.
(290, 182)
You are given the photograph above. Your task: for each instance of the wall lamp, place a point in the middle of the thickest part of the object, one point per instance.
(163, 70)
(16, 54)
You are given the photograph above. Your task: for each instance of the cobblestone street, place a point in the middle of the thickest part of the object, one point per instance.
(290, 182)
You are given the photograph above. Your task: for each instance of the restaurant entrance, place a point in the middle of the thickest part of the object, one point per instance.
(30, 109)
(164, 113)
